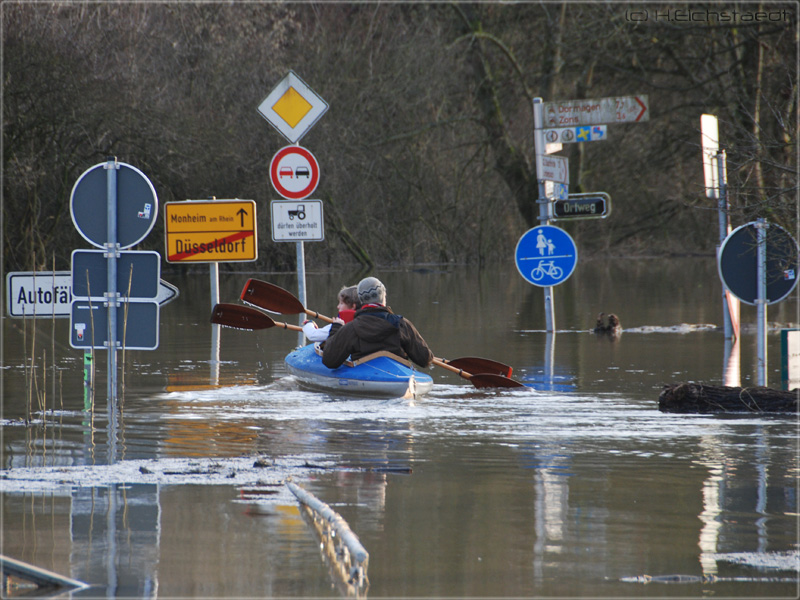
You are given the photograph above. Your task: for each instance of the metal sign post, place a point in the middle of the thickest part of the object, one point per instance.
(211, 231)
(716, 184)
(544, 203)
(571, 121)
(111, 286)
(758, 264)
(113, 206)
(761, 301)
(293, 108)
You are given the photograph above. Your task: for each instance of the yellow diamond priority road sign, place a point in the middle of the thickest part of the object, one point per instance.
(292, 107)
(210, 231)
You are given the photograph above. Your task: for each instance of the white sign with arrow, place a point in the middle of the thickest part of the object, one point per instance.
(596, 111)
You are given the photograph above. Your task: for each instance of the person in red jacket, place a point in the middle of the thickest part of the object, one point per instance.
(374, 328)
(348, 301)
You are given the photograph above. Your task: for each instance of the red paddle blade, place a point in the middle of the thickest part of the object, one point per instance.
(474, 364)
(271, 297)
(490, 380)
(240, 317)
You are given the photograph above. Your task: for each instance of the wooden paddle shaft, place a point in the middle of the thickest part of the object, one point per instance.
(440, 363)
(316, 315)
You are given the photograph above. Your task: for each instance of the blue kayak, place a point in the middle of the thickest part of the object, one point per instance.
(381, 374)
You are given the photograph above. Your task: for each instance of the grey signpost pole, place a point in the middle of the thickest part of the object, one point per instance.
(113, 210)
(724, 230)
(213, 271)
(301, 287)
(112, 298)
(544, 204)
(761, 301)
(758, 263)
(277, 108)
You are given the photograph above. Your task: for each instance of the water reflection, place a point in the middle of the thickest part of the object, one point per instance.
(546, 491)
(731, 372)
(550, 377)
(734, 489)
(551, 507)
(115, 538)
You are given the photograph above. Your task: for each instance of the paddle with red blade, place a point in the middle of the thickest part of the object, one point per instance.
(278, 300)
(475, 364)
(480, 380)
(244, 317)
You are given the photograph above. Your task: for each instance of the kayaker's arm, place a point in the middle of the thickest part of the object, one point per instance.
(337, 348)
(315, 334)
(414, 345)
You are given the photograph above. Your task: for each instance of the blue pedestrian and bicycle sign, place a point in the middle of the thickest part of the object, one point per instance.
(546, 256)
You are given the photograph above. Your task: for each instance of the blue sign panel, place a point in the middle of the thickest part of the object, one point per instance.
(136, 206)
(738, 263)
(137, 327)
(138, 274)
(546, 255)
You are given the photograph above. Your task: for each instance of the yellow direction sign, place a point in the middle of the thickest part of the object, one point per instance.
(211, 231)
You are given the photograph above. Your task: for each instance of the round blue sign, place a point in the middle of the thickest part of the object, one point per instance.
(137, 205)
(546, 255)
(737, 262)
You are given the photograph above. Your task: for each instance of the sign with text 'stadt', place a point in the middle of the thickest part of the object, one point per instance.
(210, 231)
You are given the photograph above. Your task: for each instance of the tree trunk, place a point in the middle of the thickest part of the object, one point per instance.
(510, 161)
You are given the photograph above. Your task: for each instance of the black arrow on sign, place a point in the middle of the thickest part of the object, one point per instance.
(242, 212)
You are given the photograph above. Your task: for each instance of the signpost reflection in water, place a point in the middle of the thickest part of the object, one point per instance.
(464, 493)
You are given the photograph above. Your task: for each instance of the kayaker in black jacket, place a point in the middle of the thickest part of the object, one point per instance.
(374, 328)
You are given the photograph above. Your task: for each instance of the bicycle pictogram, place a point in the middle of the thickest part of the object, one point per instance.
(546, 268)
(546, 256)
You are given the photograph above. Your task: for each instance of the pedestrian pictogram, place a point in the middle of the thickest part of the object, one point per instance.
(546, 256)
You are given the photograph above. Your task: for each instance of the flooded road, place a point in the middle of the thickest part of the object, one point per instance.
(575, 486)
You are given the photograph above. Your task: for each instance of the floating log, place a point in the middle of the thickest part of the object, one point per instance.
(700, 398)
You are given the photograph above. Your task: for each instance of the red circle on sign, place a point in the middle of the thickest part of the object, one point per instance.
(294, 172)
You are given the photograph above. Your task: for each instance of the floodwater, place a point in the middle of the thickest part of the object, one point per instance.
(575, 486)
